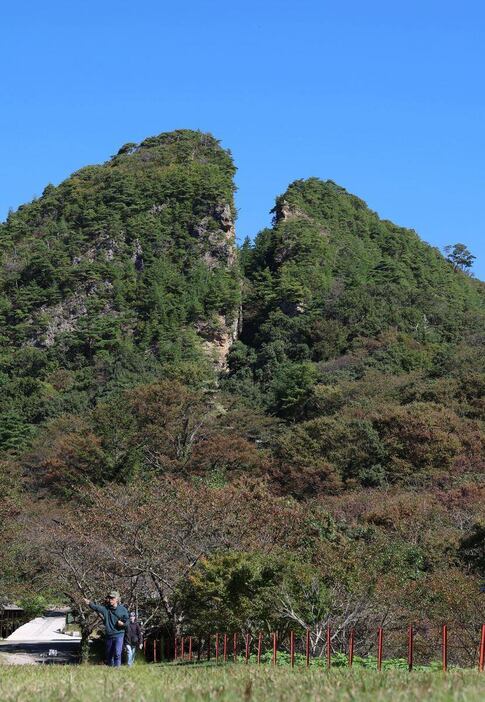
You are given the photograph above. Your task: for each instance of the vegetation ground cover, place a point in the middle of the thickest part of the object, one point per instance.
(52, 684)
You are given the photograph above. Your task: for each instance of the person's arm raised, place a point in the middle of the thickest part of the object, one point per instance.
(93, 606)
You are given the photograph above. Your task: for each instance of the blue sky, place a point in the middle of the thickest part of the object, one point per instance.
(385, 98)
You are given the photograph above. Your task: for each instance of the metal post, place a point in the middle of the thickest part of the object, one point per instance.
(380, 635)
(410, 647)
(247, 648)
(260, 645)
(444, 647)
(190, 649)
(292, 648)
(217, 648)
(275, 647)
(225, 648)
(351, 648)
(481, 655)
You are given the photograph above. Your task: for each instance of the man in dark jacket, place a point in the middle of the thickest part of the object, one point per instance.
(115, 618)
(133, 638)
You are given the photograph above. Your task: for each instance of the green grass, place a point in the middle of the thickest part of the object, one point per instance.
(157, 683)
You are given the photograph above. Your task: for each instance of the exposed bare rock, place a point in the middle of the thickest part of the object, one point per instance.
(224, 215)
(218, 246)
(156, 209)
(137, 256)
(218, 336)
(292, 309)
(105, 249)
(283, 212)
(219, 250)
(64, 316)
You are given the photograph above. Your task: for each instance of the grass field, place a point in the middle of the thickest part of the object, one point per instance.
(232, 683)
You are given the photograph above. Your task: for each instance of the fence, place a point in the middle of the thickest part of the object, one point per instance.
(420, 647)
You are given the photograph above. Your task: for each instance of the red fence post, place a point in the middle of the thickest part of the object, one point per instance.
(260, 645)
(292, 648)
(145, 647)
(234, 647)
(410, 647)
(329, 647)
(307, 647)
(182, 647)
(225, 648)
(351, 648)
(247, 648)
(380, 636)
(275, 647)
(481, 653)
(208, 647)
(175, 652)
(444, 647)
(217, 648)
(154, 650)
(190, 648)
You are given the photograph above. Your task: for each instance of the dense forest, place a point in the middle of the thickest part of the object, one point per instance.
(277, 435)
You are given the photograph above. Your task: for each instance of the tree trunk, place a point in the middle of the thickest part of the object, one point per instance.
(85, 632)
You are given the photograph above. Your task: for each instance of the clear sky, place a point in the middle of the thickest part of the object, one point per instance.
(386, 98)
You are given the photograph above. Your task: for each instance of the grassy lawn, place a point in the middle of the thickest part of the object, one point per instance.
(145, 683)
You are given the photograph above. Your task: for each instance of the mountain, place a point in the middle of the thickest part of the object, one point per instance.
(330, 280)
(365, 340)
(329, 256)
(361, 338)
(124, 273)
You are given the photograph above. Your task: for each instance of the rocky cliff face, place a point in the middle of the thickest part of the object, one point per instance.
(218, 251)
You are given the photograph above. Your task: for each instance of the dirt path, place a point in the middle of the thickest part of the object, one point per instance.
(16, 659)
(41, 629)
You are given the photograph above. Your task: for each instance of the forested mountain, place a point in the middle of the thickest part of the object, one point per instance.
(305, 414)
(120, 273)
(365, 340)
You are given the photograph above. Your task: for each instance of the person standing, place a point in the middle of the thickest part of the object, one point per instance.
(133, 638)
(115, 618)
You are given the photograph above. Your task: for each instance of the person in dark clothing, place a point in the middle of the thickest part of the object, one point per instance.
(133, 638)
(115, 618)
